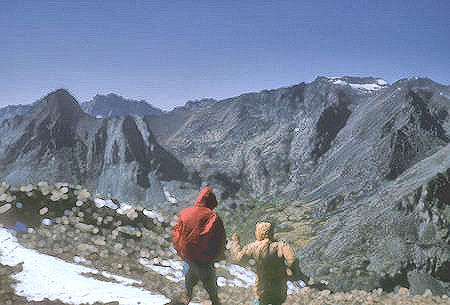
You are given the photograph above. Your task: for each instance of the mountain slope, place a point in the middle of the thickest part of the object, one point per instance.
(315, 140)
(397, 237)
(117, 253)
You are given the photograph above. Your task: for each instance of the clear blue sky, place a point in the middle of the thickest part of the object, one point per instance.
(168, 52)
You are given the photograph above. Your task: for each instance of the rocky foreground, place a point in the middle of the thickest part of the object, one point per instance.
(120, 241)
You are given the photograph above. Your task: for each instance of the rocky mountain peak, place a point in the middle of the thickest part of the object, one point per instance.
(365, 84)
(58, 104)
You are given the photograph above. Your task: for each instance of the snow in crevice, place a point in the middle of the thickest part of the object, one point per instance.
(169, 196)
(382, 82)
(124, 207)
(99, 203)
(153, 215)
(369, 87)
(45, 276)
(143, 129)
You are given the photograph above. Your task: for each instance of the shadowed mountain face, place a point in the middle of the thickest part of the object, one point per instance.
(115, 105)
(57, 141)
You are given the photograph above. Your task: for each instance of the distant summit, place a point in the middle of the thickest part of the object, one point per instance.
(116, 105)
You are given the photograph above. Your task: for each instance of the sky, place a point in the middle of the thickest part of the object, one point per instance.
(169, 52)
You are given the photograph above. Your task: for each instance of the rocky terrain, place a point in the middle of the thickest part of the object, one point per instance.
(353, 171)
(117, 243)
(398, 237)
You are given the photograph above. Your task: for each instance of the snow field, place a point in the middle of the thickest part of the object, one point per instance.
(45, 276)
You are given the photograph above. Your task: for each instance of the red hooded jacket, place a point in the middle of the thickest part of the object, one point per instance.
(199, 234)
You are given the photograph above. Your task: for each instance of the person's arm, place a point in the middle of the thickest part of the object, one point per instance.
(222, 238)
(293, 268)
(176, 235)
(239, 254)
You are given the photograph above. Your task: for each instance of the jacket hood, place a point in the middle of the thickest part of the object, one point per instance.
(206, 198)
(264, 230)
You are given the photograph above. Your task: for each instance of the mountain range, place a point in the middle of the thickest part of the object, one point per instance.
(361, 150)
(99, 106)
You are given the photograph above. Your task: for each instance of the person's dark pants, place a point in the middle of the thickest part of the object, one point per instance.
(206, 273)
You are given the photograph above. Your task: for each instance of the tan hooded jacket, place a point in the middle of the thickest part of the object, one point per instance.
(275, 262)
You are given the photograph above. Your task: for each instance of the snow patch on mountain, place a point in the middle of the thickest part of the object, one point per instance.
(169, 196)
(372, 86)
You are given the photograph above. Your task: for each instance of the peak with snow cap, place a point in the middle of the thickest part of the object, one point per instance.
(360, 83)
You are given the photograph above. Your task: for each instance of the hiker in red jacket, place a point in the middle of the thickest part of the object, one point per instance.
(199, 238)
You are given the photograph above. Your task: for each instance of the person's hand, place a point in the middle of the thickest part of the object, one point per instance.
(235, 237)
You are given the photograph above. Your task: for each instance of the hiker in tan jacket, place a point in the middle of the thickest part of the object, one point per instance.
(275, 263)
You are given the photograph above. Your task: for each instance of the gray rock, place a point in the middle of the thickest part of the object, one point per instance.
(115, 105)
(12, 110)
(402, 229)
(420, 282)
